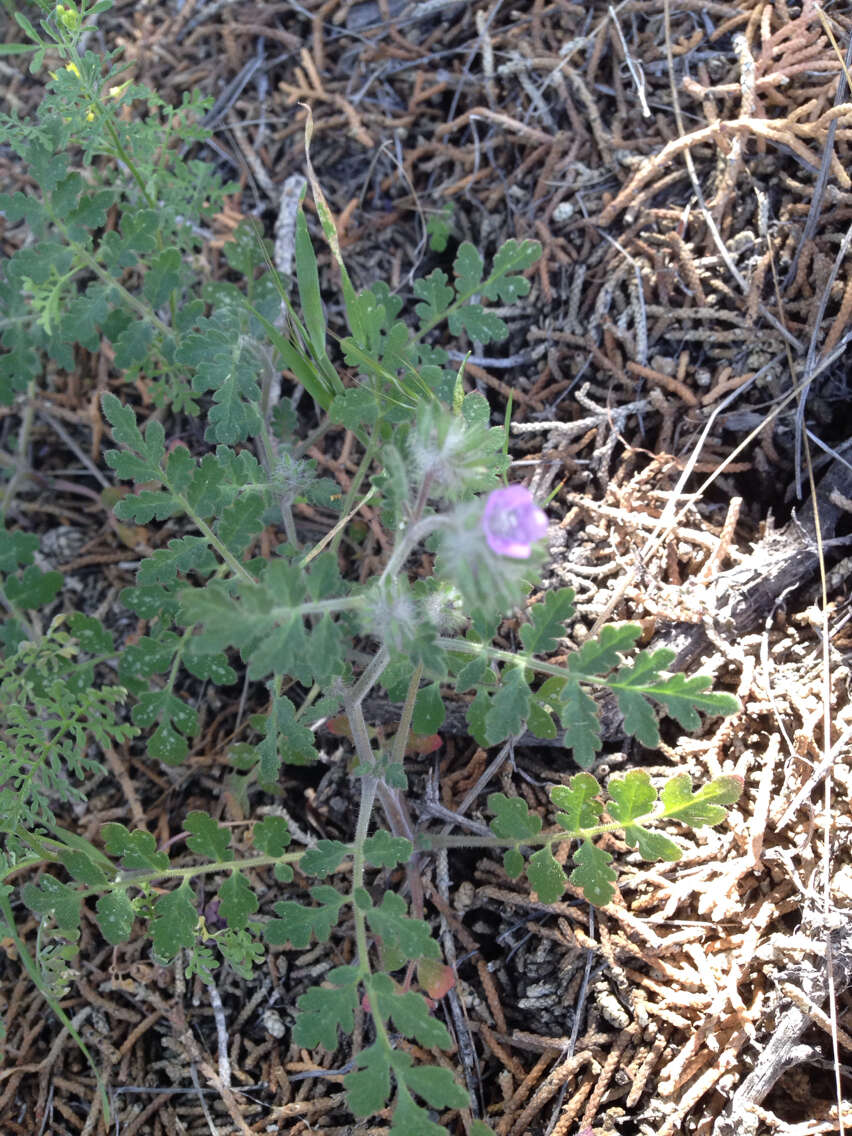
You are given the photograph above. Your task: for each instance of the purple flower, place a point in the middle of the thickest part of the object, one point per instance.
(512, 522)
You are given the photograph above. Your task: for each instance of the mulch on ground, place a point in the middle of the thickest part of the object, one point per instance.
(685, 169)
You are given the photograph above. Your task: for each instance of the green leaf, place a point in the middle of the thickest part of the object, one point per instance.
(52, 897)
(324, 859)
(174, 922)
(705, 805)
(652, 845)
(163, 277)
(271, 836)
(90, 633)
(237, 901)
(513, 863)
(33, 589)
(240, 522)
(429, 712)
(509, 707)
(597, 656)
(579, 808)
(513, 819)
(167, 745)
(471, 674)
(355, 408)
(409, 1118)
(682, 697)
(323, 1010)
(201, 961)
(135, 850)
(593, 873)
(297, 923)
(632, 796)
(225, 365)
(16, 548)
(408, 1012)
(480, 1128)
(632, 685)
(243, 952)
(284, 738)
(468, 268)
(204, 666)
(150, 445)
(325, 651)
(512, 257)
(439, 227)
(437, 1086)
(396, 929)
(579, 715)
(547, 621)
(476, 715)
(115, 917)
(132, 345)
(181, 556)
(479, 323)
(546, 876)
(368, 1088)
(83, 868)
(385, 851)
(172, 715)
(307, 280)
(208, 839)
(436, 294)
(539, 722)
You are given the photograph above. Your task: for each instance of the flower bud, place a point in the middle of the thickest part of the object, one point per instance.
(452, 456)
(489, 549)
(68, 16)
(390, 613)
(512, 522)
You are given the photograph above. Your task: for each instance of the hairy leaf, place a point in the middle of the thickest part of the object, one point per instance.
(323, 1010)
(408, 1012)
(593, 873)
(547, 621)
(135, 850)
(513, 819)
(324, 858)
(174, 922)
(579, 716)
(237, 901)
(579, 807)
(208, 838)
(385, 851)
(632, 796)
(271, 835)
(397, 930)
(546, 876)
(509, 707)
(704, 806)
(298, 923)
(115, 917)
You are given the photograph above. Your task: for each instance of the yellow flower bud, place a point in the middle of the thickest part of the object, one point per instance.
(73, 68)
(117, 92)
(90, 115)
(67, 16)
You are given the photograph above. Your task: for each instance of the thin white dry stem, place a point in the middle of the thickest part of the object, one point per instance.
(827, 827)
(221, 1034)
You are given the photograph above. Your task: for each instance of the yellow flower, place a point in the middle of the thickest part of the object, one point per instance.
(73, 68)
